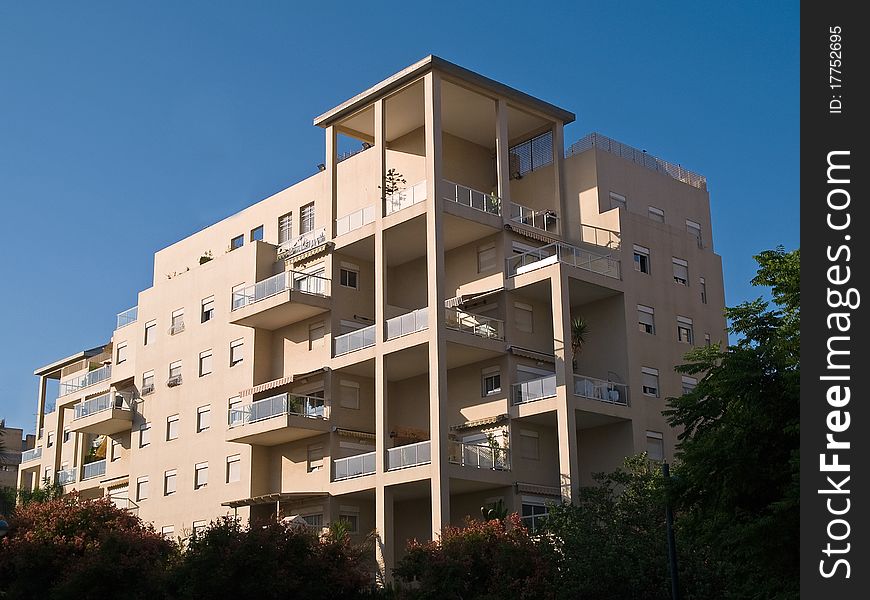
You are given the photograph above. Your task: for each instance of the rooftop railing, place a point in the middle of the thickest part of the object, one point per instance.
(407, 324)
(345, 155)
(128, 317)
(601, 237)
(479, 325)
(545, 220)
(355, 340)
(32, 454)
(288, 280)
(480, 456)
(534, 389)
(65, 476)
(410, 455)
(94, 469)
(405, 198)
(303, 243)
(355, 220)
(354, 466)
(88, 379)
(602, 264)
(488, 203)
(99, 404)
(276, 406)
(601, 390)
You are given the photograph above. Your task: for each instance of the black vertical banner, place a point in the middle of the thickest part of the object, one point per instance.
(835, 371)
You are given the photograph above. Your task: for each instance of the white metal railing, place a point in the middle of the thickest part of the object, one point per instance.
(355, 220)
(65, 476)
(409, 323)
(299, 244)
(354, 466)
(94, 469)
(640, 157)
(345, 155)
(534, 389)
(405, 198)
(601, 237)
(409, 455)
(31, 454)
(480, 456)
(602, 264)
(297, 281)
(99, 404)
(488, 203)
(355, 340)
(601, 390)
(479, 325)
(127, 317)
(276, 406)
(88, 379)
(545, 220)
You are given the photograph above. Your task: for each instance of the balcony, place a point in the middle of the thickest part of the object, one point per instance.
(355, 220)
(493, 458)
(603, 264)
(94, 469)
(303, 243)
(128, 317)
(104, 415)
(354, 466)
(407, 324)
(280, 300)
(608, 392)
(66, 476)
(598, 236)
(533, 390)
(77, 383)
(32, 454)
(355, 340)
(278, 420)
(405, 198)
(486, 203)
(410, 455)
(479, 325)
(545, 220)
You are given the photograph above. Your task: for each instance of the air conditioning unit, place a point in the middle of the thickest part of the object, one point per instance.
(147, 389)
(174, 381)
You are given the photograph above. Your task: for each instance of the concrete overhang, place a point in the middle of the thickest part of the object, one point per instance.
(59, 364)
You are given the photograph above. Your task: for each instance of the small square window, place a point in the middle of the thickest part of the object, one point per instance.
(685, 333)
(523, 317)
(207, 313)
(646, 319)
(170, 482)
(144, 434)
(237, 354)
(641, 259)
(237, 242)
(205, 363)
(150, 332)
(349, 278)
(349, 395)
(168, 531)
(650, 381)
(491, 383)
(655, 446)
(315, 458)
(257, 234)
(234, 468)
(681, 271)
(200, 475)
(656, 214)
(172, 427)
(203, 418)
(306, 218)
(116, 450)
(199, 527)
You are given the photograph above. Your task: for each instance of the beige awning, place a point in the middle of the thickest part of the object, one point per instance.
(531, 233)
(466, 298)
(481, 422)
(273, 498)
(538, 490)
(533, 354)
(276, 383)
(353, 433)
(309, 254)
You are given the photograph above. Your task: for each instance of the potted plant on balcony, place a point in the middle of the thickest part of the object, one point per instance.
(579, 333)
(394, 183)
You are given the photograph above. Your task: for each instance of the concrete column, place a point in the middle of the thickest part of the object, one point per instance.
(438, 425)
(502, 158)
(331, 181)
(380, 150)
(569, 463)
(40, 403)
(385, 541)
(559, 185)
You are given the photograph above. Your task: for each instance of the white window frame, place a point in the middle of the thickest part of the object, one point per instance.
(170, 476)
(200, 475)
(307, 216)
(234, 345)
(145, 435)
(659, 438)
(234, 462)
(206, 361)
(685, 324)
(142, 484)
(206, 309)
(679, 262)
(642, 252)
(490, 373)
(150, 332)
(114, 449)
(167, 531)
(203, 410)
(652, 373)
(121, 353)
(285, 227)
(348, 268)
(175, 369)
(173, 425)
(313, 463)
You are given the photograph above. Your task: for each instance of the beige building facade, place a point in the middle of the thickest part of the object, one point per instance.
(389, 342)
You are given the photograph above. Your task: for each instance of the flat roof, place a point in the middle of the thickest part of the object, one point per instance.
(59, 364)
(434, 62)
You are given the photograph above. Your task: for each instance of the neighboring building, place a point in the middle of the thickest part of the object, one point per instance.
(12, 444)
(388, 342)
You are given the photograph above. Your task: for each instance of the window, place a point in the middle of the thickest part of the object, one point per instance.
(285, 228)
(349, 276)
(685, 332)
(316, 333)
(236, 416)
(50, 441)
(617, 201)
(177, 325)
(655, 445)
(171, 427)
(523, 317)
(199, 527)
(351, 520)
(237, 355)
(348, 393)
(646, 319)
(641, 259)
(491, 381)
(315, 457)
(46, 475)
(144, 434)
(306, 218)
(207, 312)
(681, 271)
(66, 435)
(315, 521)
(534, 513)
(257, 234)
(174, 374)
(237, 242)
(167, 531)
(656, 214)
(116, 450)
(529, 444)
(486, 258)
(150, 332)
(147, 382)
(142, 488)
(234, 468)
(703, 283)
(170, 482)
(121, 354)
(205, 362)
(694, 229)
(689, 384)
(650, 379)
(200, 475)
(203, 418)
(707, 339)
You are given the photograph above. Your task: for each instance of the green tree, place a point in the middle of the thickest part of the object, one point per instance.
(737, 476)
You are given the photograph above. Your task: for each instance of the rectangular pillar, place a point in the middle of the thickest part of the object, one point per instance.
(566, 418)
(385, 552)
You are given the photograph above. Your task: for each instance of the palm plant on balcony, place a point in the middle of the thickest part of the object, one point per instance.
(394, 183)
(579, 333)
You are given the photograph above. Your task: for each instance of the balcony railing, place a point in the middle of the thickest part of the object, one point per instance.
(603, 391)
(288, 280)
(602, 264)
(277, 406)
(405, 198)
(407, 324)
(545, 220)
(355, 340)
(77, 383)
(355, 220)
(488, 203)
(128, 317)
(302, 243)
(409, 455)
(32, 454)
(99, 404)
(354, 466)
(480, 456)
(534, 389)
(601, 237)
(66, 476)
(478, 325)
(94, 469)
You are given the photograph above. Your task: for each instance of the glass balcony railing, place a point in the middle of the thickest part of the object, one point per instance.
(355, 220)
(405, 198)
(480, 456)
(128, 317)
(296, 281)
(601, 390)
(99, 404)
(92, 378)
(276, 406)
(65, 476)
(407, 324)
(599, 236)
(355, 340)
(534, 389)
(94, 469)
(32, 454)
(602, 264)
(545, 220)
(478, 325)
(488, 203)
(298, 245)
(409, 455)
(354, 466)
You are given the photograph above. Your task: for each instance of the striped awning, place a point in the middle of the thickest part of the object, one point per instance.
(533, 354)
(273, 498)
(309, 254)
(531, 233)
(276, 383)
(538, 490)
(477, 423)
(466, 298)
(353, 433)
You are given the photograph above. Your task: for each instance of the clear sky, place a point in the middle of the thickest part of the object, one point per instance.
(126, 126)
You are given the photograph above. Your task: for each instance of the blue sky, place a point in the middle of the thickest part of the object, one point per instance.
(126, 126)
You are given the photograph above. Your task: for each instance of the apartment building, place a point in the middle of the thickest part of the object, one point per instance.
(12, 443)
(389, 342)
